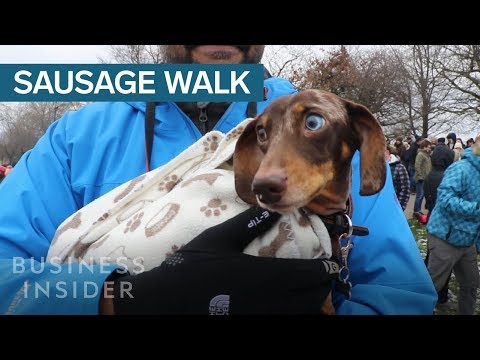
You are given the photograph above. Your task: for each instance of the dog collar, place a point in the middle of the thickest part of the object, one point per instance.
(340, 223)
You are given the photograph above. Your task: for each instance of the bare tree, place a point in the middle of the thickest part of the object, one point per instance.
(377, 84)
(281, 60)
(41, 114)
(134, 54)
(16, 136)
(335, 73)
(460, 66)
(21, 125)
(424, 90)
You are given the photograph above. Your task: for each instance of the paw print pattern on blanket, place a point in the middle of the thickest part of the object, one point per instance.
(210, 143)
(214, 206)
(134, 222)
(169, 183)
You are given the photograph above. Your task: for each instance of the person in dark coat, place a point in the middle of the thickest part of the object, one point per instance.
(442, 157)
(442, 154)
(409, 161)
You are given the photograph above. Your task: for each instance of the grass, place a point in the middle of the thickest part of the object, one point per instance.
(420, 233)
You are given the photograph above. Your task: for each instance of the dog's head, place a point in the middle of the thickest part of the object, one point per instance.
(298, 153)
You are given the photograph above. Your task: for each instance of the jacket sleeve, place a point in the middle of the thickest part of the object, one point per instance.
(453, 183)
(39, 197)
(386, 268)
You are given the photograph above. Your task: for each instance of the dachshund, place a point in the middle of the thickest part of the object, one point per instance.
(297, 154)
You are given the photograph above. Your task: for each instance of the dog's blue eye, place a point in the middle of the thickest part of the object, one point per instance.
(314, 122)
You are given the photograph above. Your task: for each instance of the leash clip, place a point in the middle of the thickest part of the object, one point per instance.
(345, 244)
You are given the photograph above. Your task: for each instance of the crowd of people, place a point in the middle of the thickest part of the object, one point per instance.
(446, 174)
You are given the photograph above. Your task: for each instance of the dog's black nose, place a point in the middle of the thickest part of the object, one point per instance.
(269, 189)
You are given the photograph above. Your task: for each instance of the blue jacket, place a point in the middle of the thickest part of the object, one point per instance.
(456, 217)
(89, 152)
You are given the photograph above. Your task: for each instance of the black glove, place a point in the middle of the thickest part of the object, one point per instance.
(211, 275)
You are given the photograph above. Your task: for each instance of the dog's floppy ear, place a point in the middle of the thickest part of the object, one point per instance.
(246, 161)
(372, 148)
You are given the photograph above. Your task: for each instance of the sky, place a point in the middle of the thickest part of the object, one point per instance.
(52, 54)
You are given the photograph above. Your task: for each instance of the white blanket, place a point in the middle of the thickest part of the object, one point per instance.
(153, 215)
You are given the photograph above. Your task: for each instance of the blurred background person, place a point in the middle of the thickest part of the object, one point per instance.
(409, 161)
(401, 182)
(443, 155)
(400, 147)
(8, 169)
(458, 150)
(2, 172)
(423, 165)
(433, 141)
(470, 142)
(451, 140)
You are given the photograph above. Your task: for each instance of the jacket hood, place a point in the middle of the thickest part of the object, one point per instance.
(439, 157)
(452, 136)
(472, 158)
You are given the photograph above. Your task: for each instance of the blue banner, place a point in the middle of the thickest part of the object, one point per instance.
(131, 82)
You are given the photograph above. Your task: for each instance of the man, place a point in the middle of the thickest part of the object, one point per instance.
(97, 148)
(453, 229)
(423, 165)
(442, 154)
